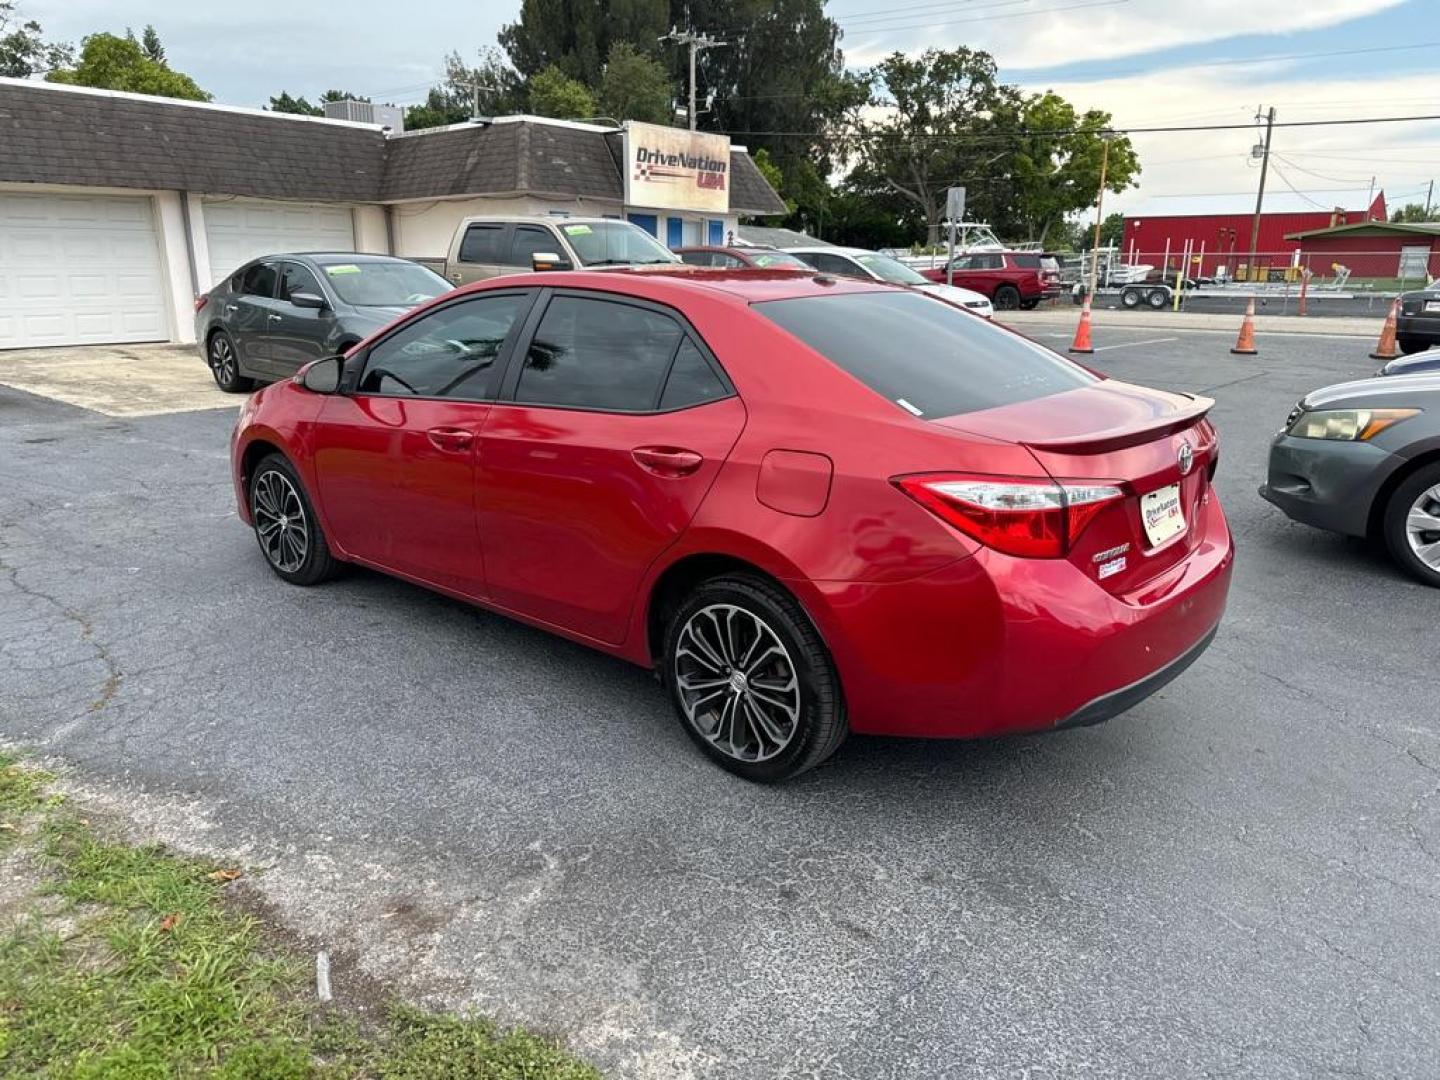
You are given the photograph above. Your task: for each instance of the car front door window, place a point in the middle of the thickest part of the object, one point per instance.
(447, 353)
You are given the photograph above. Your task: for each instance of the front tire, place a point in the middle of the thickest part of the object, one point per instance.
(1412, 525)
(224, 363)
(752, 683)
(1411, 345)
(286, 527)
(1006, 298)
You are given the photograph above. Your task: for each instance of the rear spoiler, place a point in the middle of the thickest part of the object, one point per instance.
(1098, 442)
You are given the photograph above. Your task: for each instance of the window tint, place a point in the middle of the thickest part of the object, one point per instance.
(1026, 262)
(930, 359)
(447, 353)
(530, 240)
(295, 278)
(778, 259)
(691, 381)
(835, 264)
(481, 244)
(594, 354)
(698, 258)
(259, 280)
(990, 262)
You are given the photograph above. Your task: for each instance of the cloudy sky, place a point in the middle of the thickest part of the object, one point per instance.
(1150, 62)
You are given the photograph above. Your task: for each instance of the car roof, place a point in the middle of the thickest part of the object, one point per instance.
(731, 249)
(673, 282)
(325, 257)
(542, 219)
(833, 249)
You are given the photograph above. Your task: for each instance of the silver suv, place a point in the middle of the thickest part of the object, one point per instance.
(486, 247)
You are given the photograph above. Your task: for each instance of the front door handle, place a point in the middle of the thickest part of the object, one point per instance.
(668, 461)
(273, 317)
(452, 439)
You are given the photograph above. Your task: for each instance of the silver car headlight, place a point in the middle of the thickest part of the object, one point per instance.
(1346, 425)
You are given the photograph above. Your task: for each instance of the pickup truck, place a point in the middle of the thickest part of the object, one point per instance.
(486, 247)
(1010, 278)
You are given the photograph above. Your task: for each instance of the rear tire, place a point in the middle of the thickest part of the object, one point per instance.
(1130, 298)
(1006, 298)
(1411, 345)
(285, 524)
(224, 361)
(1413, 507)
(751, 681)
(1157, 299)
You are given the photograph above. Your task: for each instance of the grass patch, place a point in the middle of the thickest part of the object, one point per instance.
(125, 962)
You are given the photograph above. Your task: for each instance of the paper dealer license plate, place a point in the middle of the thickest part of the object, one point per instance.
(1161, 513)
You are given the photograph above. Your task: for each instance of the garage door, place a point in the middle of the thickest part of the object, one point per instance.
(237, 230)
(79, 269)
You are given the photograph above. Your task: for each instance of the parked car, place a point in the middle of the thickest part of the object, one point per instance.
(738, 258)
(486, 247)
(872, 266)
(277, 313)
(1363, 458)
(1417, 324)
(1412, 365)
(1012, 279)
(814, 504)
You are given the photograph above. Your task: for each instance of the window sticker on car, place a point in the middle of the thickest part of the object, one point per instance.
(577, 230)
(342, 268)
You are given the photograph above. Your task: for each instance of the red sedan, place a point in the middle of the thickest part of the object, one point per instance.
(815, 505)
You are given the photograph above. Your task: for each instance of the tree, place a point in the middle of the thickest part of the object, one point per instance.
(553, 93)
(150, 44)
(772, 174)
(119, 63)
(576, 36)
(635, 87)
(283, 102)
(934, 131)
(23, 52)
(340, 95)
(454, 100)
(1415, 213)
(1112, 231)
(1055, 165)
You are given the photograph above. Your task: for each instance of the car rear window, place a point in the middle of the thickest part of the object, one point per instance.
(1026, 262)
(930, 358)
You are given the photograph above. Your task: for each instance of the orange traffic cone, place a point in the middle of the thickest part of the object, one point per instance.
(1387, 349)
(1081, 344)
(1245, 343)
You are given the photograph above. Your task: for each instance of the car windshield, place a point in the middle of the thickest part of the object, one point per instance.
(384, 284)
(932, 360)
(782, 259)
(614, 243)
(888, 269)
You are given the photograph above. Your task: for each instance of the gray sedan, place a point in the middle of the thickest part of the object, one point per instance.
(1363, 458)
(277, 313)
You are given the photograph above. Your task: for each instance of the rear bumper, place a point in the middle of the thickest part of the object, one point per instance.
(1325, 483)
(992, 645)
(1421, 327)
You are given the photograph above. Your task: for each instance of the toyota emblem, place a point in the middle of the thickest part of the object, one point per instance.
(1187, 458)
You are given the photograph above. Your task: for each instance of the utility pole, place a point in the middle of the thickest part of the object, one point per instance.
(1428, 196)
(1269, 119)
(1105, 138)
(698, 43)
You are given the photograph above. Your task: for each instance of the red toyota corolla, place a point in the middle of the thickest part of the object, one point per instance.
(815, 505)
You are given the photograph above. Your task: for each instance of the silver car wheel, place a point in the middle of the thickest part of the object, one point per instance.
(222, 360)
(737, 683)
(1422, 528)
(280, 521)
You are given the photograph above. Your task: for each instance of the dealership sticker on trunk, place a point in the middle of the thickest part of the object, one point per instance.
(1160, 510)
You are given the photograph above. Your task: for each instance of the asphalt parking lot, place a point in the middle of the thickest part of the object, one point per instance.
(1239, 878)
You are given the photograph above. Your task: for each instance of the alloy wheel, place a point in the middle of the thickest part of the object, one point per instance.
(280, 521)
(222, 360)
(1422, 528)
(738, 685)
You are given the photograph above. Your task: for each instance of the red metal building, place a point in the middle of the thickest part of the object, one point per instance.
(1218, 227)
(1382, 249)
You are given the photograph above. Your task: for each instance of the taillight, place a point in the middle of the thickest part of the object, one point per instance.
(201, 301)
(1038, 519)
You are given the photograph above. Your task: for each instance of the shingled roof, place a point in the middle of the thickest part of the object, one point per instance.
(60, 135)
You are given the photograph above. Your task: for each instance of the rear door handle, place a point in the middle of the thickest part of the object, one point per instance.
(273, 317)
(668, 461)
(452, 439)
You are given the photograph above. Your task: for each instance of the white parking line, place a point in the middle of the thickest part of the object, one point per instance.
(1133, 344)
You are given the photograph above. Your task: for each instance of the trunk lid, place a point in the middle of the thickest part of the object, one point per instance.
(1131, 436)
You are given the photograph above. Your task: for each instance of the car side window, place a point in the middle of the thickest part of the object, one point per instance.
(530, 240)
(835, 264)
(730, 262)
(598, 354)
(481, 244)
(991, 262)
(698, 258)
(447, 353)
(295, 278)
(692, 381)
(259, 280)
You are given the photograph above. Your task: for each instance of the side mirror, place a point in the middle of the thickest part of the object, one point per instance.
(323, 376)
(548, 260)
(308, 300)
